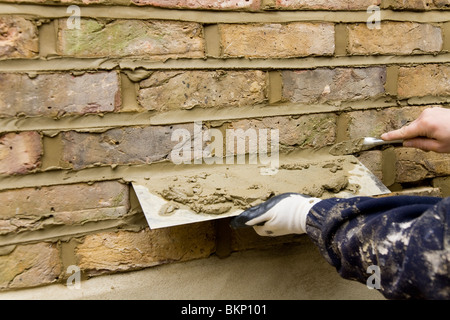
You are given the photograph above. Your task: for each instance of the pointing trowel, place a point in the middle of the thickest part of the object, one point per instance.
(172, 195)
(358, 145)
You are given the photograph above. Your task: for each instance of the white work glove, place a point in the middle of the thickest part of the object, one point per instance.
(280, 215)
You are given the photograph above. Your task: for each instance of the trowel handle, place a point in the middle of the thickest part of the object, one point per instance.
(372, 142)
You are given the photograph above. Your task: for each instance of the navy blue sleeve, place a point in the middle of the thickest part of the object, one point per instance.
(406, 237)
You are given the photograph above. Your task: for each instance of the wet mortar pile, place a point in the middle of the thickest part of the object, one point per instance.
(218, 190)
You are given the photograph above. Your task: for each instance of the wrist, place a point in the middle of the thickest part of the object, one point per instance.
(304, 211)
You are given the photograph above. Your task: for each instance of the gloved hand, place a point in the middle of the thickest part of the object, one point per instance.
(283, 214)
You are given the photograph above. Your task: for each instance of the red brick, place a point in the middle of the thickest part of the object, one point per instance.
(339, 84)
(326, 4)
(125, 250)
(31, 209)
(424, 80)
(30, 265)
(419, 4)
(55, 94)
(276, 40)
(373, 123)
(18, 38)
(415, 165)
(395, 38)
(305, 132)
(130, 145)
(175, 90)
(152, 39)
(202, 4)
(20, 152)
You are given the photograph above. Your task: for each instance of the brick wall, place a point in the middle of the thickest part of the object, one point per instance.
(78, 102)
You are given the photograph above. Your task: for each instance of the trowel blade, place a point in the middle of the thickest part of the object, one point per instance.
(348, 147)
(360, 144)
(244, 184)
(152, 205)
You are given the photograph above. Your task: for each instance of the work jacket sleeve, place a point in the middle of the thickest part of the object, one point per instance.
(405, 238)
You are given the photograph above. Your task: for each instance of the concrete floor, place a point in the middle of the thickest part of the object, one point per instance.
(294, 271)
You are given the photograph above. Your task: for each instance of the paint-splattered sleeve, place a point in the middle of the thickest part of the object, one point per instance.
(406, 237)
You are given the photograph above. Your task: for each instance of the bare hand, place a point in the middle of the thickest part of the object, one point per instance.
(429, 132)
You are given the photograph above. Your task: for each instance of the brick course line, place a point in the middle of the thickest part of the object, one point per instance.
(126, 12)
(70, 64)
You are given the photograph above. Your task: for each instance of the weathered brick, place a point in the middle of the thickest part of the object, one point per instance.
(30, 265)
(172, 90)
(276, 40)
(20, 152)
(394, 38)
(307, 131)
(415, 165)
(137, 38)
(339, 84)
(130, 145)
(419, 4)
(30, 209)
(424, 80)
(18, 38)
(325, 4)
(59, 93)
(125, 250)
(202, 4)
(68, 2)
(373, 123)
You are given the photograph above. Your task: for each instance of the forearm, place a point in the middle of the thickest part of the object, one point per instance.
(406, 237)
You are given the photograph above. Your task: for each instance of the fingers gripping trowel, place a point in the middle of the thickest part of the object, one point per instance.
(186, 194)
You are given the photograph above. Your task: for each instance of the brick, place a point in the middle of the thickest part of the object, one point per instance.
(394, 38)
(125, 250)
(416, 165)
(373, 123)
(69, 2)
(276, 40)
(339, 84)
(325, 4)
(424, 80)
(308, 131)
(130, 145)
(174, 90)
(138, 38)
(202, 4)
(20, 152)
(30, 265)
(55, 94)
(18, 38)
(30, 209)
(419, 4)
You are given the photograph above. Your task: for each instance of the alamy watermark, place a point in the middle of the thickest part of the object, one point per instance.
(374, 281)
(374, 20)
(74, 280)
(241, 147)
(74, 21)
